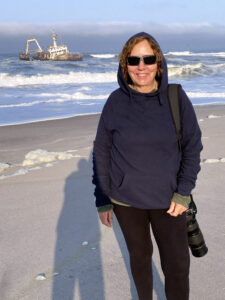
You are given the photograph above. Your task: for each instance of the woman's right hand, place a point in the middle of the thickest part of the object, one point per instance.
(106, 218)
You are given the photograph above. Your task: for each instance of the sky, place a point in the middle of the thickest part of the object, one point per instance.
(104, 26)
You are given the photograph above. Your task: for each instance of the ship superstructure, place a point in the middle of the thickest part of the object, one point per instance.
(55, 52)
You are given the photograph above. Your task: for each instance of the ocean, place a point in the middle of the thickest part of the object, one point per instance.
(32, 91)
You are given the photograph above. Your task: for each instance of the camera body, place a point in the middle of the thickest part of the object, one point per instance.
(196, 240)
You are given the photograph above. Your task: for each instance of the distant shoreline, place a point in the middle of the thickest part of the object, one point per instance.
(50, 119)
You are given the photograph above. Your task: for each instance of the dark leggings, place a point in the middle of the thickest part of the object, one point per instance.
(171, 237)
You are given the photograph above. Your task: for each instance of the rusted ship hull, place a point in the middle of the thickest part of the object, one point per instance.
(73, 57)
(23, 56)
(45, 56)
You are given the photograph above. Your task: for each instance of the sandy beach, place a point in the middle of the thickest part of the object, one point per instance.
(52, 244)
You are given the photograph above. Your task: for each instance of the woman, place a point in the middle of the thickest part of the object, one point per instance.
(139, 173)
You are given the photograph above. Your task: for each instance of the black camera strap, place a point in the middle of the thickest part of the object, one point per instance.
(174, 103)
(173, 97)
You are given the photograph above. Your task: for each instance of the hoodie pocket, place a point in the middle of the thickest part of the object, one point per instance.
(123, 182)
(144, 187)
(134, 188)
(117, 179)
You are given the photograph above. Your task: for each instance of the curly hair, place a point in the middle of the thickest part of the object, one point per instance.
(127, 50)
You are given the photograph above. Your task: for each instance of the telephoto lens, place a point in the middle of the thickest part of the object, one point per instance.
(195, 238)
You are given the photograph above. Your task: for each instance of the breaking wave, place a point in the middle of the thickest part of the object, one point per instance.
(61, 98)
(205, 95)
(189, 53)
(182, 53)
(7, 80)
(198, 69)
(103, 55)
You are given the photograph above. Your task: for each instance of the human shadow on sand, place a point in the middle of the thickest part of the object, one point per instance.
(77, 267)
(78, 272)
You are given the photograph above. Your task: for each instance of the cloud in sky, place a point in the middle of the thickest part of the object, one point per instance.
(107, 28)
(87, 36)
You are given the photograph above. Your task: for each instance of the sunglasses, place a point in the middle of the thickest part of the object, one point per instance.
(147, 59)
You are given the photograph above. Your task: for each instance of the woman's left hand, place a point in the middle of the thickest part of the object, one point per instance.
(176, 209)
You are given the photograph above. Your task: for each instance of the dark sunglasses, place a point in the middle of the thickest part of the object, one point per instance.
(147, 59)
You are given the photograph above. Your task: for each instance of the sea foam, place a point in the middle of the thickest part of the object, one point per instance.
(205, 95)
(213, 117)
(8, 80)
(198, 69)
(61, 98)
(36, 160)
(189, 53)
(40, 156)
(103, 55)
(213, 160)
(3, 167)
(177, 53)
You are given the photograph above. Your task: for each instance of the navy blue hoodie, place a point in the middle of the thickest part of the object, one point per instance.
(136, 159)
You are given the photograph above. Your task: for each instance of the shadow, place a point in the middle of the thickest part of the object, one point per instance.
(124, 252)
(77, 268)
(158, 286)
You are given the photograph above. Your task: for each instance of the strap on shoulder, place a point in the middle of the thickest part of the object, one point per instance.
(173, 97)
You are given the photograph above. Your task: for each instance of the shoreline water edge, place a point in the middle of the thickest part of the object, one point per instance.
(211, 106)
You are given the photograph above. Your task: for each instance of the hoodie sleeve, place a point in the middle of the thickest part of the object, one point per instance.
(101, 159)
(191, 147)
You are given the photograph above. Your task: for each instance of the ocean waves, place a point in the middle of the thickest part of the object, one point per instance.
(9, 80)
(77, 97)
(174, 71)
(103, 55)
(198, 69)
(37, 90)
(60, 98)
(189, 53)
(205, 95)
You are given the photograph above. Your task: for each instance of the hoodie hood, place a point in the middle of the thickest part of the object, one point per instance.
(162, 90)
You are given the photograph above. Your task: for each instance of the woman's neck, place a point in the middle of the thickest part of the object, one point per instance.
(145, 89)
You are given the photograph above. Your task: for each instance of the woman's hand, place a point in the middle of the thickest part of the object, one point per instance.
(106, 217)
(176, 209)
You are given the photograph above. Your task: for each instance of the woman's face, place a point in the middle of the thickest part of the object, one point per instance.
(143, 76)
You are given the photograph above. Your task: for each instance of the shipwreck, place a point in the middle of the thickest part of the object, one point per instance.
(55, 52)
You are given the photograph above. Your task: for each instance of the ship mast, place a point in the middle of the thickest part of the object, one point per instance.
(54, 38)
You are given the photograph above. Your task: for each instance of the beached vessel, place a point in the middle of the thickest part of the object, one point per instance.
(55, 52)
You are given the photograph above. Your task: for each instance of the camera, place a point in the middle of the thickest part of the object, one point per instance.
(195, 237)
